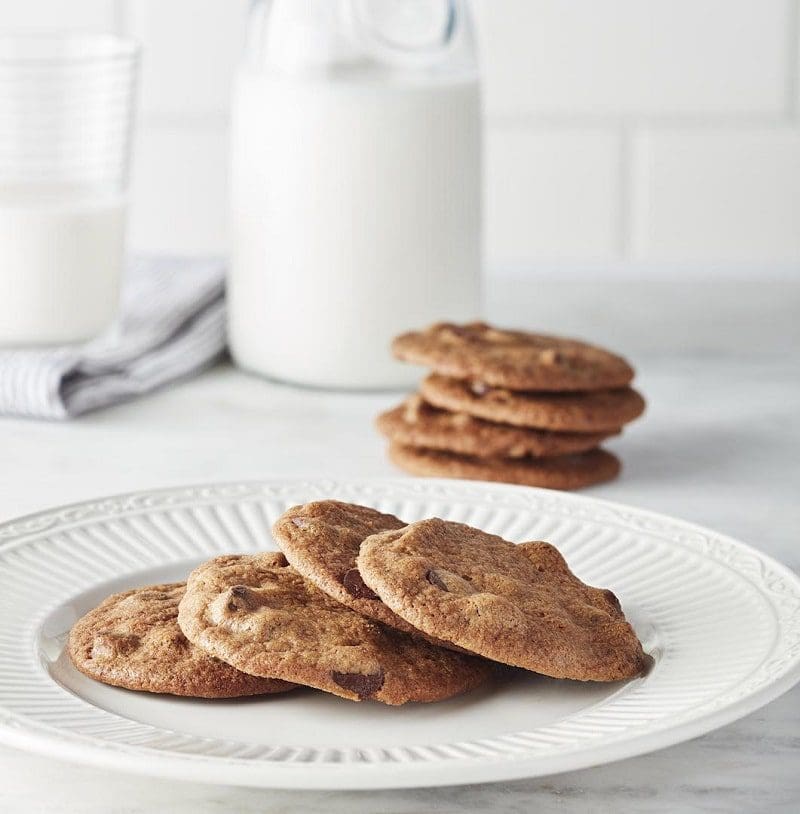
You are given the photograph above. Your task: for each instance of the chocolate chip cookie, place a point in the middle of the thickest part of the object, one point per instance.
(321, 541)
(516, 360)
(132, 640)
(564, 472)
(261, 616)
(416, 423)
(516, 604)
(598, 411)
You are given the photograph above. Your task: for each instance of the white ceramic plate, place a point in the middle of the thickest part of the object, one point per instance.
(721, 620)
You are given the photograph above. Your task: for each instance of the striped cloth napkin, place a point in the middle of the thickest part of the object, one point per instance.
(172, 324)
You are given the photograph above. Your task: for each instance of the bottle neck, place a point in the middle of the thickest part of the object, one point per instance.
(297, 36)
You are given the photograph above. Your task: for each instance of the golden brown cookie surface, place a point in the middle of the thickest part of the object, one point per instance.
(416, 423)
(321, 541)
(132, 640)
(564, 472)
(598, 411)
(517, 360)
(520, 605)
(260, 615)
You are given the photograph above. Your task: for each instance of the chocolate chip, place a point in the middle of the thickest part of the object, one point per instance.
(355, 585)
(109, 645)
(450, 583)
(435, 578)
(241, 598)
(612, 598)
(364, 686)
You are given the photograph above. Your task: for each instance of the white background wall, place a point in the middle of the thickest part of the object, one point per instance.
(663, 133)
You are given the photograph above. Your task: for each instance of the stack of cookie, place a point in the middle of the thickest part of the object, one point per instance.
(510, 406)
(360, 605)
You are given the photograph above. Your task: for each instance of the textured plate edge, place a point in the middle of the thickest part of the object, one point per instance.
(354, 777)
(343, 776)
(388, 481)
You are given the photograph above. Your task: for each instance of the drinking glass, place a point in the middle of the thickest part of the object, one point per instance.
(66, 120)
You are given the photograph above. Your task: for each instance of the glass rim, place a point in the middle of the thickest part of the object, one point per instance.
(55, 49)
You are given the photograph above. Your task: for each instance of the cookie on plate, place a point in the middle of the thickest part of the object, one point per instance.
(517, 360)
(598, 411)
(516, 604)
(261, 616)
(132, 640)
(565, 472)
(416, 423)
(321, 541)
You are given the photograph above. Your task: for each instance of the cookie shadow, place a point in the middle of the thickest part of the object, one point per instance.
(683, 455)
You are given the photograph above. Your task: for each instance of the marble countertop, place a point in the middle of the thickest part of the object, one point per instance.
(719, 362)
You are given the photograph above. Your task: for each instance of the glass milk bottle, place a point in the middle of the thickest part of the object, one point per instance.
(356, 186)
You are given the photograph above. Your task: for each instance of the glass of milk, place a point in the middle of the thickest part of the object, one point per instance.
(66, 112)
(356, 186)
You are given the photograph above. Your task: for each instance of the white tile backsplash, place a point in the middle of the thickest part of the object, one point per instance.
(617, 130)
(717, 195)
(179, 190)
(59, 15)
(634, 56)
(191, 48)
(551, 194)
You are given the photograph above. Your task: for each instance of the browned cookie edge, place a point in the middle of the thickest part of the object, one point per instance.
(521, 606)
(519, 360)
(147, 651)
(313, 636)
(416, 423)
(597, 411)
(566, 472)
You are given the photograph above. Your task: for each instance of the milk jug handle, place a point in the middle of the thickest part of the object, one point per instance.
(359, 18)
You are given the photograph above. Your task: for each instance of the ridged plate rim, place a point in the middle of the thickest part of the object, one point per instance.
(435, 765)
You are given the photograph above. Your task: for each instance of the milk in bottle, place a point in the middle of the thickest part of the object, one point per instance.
(356, 188)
